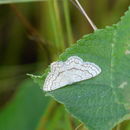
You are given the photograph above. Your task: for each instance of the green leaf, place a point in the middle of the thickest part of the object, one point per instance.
(103, 101)
(37, 79)
(121, 60)
(59, 120)
(17, 1)
(24, 111)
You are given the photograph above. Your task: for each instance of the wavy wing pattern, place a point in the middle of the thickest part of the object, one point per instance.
(73, 70)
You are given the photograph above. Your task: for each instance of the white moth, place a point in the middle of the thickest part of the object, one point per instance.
(73, 70)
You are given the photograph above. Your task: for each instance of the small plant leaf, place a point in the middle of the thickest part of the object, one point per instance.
(24, 110)
(103, 101)
(18, 1)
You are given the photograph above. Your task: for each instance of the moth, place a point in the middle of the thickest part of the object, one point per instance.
(73, 70)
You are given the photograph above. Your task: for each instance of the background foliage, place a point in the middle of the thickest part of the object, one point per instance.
(32, 35)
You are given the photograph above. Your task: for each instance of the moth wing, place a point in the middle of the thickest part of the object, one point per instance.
(71, 71)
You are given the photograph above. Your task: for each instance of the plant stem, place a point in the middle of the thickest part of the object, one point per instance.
(86, 16)
(67, 21)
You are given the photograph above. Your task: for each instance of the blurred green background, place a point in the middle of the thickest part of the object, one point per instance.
(32, 35)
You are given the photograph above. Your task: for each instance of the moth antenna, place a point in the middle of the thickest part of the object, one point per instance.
(78, 5)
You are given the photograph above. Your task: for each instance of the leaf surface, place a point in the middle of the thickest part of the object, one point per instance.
(103, 101)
